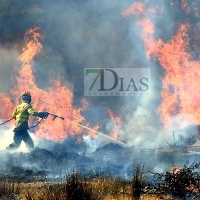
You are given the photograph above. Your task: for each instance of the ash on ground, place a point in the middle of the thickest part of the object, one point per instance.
(110, 159)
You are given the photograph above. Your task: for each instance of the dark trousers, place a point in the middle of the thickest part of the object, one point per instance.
(18, 137)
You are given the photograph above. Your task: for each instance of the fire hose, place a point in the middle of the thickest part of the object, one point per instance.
(6, 121)
(85, 127)
(54, 117)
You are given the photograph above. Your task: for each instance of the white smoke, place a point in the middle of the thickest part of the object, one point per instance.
(142, 130)
(6, 138)
(92, 144)
(8, 60)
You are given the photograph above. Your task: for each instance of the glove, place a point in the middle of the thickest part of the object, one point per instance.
(43, 115)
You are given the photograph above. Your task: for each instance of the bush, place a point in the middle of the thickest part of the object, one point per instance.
(77, 188)
(138, 182)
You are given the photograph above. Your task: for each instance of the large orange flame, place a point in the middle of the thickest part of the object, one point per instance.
(56, 99)
(180, 96)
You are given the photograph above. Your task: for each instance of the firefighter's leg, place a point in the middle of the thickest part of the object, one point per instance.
(28, 140)
(17, 139)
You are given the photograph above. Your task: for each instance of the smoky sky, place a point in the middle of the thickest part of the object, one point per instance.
(86, 34)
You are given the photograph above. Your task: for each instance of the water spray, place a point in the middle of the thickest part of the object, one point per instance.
(101, 134)
(85, 127)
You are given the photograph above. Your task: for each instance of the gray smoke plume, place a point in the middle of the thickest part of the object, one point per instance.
(93, 34)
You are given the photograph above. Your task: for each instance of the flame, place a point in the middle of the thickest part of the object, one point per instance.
(180, 96)
(175, 170)
(117, 124)
(56, 99)
(134, 9)
(192, 8)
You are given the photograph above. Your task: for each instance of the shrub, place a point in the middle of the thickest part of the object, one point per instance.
(138, 182)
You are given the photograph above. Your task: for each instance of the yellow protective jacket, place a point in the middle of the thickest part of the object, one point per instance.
(21, 115)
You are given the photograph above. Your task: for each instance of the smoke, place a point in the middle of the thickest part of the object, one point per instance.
(140, 128)
(7, 135)
(91, 143)
(7, 138)
(8, 58)
(94, 34)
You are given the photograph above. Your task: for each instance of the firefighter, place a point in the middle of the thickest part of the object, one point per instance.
(21, 115)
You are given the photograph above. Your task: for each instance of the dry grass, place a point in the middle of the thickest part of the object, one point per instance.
(9, 188)
(74, 188)
(100, 191)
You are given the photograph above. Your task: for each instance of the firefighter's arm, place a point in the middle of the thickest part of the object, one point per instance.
(31, 111)
(42, 115)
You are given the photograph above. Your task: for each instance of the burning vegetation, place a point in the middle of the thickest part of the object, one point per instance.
(176, 56)
(71, 170)
(56, 99)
